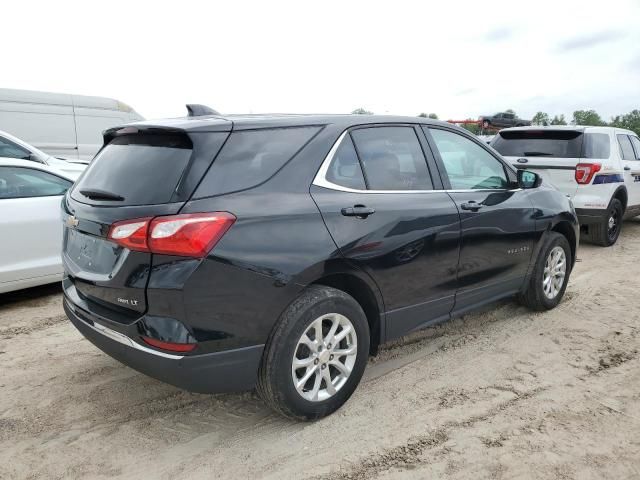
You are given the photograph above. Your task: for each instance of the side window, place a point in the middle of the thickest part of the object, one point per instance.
(595, 145)
(20, 182)
(345, 169)
(392, 158)
(468, 166)
(626, 150)
(636, 145)
(250, 157)
(8, 149)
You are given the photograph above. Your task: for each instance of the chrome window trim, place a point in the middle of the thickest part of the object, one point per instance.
(320, 180)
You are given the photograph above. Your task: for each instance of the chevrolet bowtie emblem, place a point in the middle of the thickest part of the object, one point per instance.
(71, 221)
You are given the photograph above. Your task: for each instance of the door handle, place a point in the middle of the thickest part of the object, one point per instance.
(471, 205)
(627, 168)
(359, 211)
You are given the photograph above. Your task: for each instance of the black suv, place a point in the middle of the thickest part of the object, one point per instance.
(220, 253)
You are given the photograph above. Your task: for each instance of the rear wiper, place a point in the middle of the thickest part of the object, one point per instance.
(538, 154)
(96, 194)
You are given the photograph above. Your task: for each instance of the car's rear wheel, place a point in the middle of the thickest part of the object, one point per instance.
(316, 355)
(606, 232)
(550, 274)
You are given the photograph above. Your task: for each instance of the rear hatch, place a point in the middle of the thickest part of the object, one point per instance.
(552, 153)
(140, 173)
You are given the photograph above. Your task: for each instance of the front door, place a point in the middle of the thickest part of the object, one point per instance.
(497, 220)
(377, 197)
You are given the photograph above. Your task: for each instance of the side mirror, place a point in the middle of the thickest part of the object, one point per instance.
(527, 179)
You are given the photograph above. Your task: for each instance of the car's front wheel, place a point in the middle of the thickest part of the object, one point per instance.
(550, 274)
(316, 355)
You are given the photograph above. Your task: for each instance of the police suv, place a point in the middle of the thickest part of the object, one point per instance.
(598, 167)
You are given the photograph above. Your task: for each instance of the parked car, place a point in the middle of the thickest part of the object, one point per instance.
(12, 147)
(502, 120)
(597, 167)
(30, 194)
(222, 253)
(62, 125)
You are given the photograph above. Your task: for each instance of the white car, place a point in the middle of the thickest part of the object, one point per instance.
(30, 196)
(598, 167)
(12, 147)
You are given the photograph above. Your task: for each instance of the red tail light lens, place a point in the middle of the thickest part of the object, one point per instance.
(190, 235)
(170, 346)
(585, 172)
(187, 235)
(131, 234)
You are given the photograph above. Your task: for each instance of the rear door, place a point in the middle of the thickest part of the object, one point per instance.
(497, 219)
(552, 154)
(30, 223)
(630, 158)
(137, 175)
(384, 210)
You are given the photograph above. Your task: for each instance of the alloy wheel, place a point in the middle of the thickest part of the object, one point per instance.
(324, 357)
(555, 270)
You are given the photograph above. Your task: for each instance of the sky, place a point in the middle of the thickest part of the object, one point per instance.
(458, 59)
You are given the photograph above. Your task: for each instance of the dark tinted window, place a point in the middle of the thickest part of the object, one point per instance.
(20, 182)
(392, 158)
(345, 169)
(468, 165)
(626, 150)
(596, 145)
(636, 145)
(8, 149)
(539, 143)
(144, 169)
(250, 157)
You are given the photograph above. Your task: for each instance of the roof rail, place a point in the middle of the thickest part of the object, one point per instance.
(197, 110)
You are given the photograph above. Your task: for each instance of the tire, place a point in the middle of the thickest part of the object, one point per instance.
(602, 233)
(318, 305)
(535, 295)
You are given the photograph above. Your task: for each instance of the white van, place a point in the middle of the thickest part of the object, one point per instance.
(62, 125)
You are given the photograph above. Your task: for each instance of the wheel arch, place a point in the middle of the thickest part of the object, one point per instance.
(622, 195)
(364, 290)
(566, 229)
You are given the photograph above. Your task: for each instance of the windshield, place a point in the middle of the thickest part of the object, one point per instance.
(539, 143)
(139, 169)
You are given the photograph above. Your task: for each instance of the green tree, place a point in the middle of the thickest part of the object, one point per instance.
(587, 117)
(472, 127)
(558, 120)
(428, 115)
(540, 118)
(361, 111)
(630, 121)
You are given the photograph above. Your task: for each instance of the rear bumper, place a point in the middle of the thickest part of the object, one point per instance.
(226, 371)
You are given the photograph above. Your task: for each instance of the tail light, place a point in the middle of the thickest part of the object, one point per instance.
(585, 172)
(187, 235)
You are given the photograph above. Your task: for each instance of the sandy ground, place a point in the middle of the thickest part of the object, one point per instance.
(505, 393)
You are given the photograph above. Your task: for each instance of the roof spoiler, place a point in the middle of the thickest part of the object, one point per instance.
(197, 110)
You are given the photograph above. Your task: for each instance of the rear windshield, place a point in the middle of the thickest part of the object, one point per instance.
(252, 156)
(143, 169)
(552, 143)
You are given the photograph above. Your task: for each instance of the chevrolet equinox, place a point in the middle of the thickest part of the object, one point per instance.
(222, 253)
